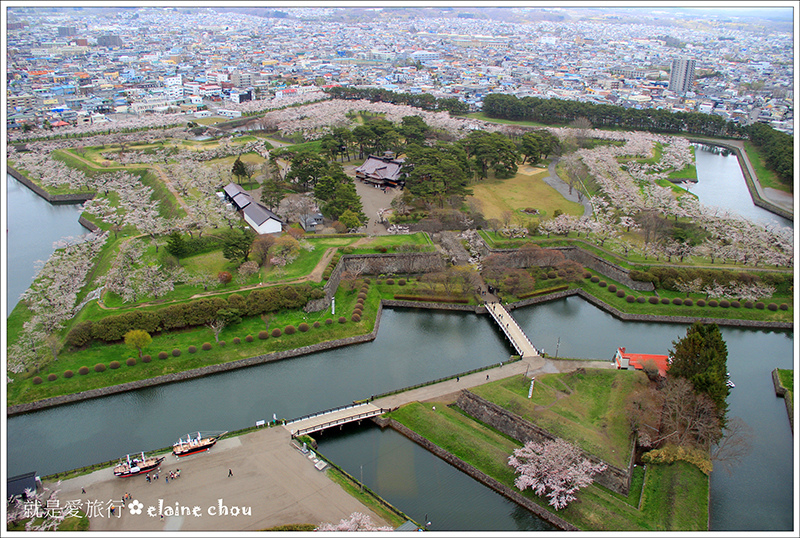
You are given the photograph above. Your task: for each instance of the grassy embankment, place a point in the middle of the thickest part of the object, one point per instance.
(668, 498)
(786, 378)
(526, 189)
(24, 390)
(766, 177)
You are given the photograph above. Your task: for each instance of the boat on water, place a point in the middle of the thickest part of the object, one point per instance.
(195, 442)
(138, 465)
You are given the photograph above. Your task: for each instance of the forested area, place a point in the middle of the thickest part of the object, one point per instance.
(424, 101)
(777, 146)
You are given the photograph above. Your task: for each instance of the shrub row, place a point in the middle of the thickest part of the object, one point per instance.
(191, 314)
(431, 299)
(723, 303)
(331, 266)
(544, 291)
(666, 277)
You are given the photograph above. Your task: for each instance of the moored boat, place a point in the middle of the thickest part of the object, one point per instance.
(196, 442)
(137, 465)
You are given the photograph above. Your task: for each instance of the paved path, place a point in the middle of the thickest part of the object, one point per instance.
(373, 199)
(563, 188)
(279, 484)
(447, 391)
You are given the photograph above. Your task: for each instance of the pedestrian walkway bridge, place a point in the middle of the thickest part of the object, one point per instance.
(332, 417)
(512, 330)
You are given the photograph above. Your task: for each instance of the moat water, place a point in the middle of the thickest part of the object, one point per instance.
(412, 346)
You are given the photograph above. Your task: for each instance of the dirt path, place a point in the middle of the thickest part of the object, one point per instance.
(314, 276)
(168, 183)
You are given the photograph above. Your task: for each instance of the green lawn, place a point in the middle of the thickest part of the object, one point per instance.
(585, 408)
(765, 176)
(23, 390)
(674, 497)
(498, 196)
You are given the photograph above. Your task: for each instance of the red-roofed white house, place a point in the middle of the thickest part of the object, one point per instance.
(625, 360)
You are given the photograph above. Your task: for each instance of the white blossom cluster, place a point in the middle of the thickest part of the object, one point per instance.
(38, 509)
(554, 468)
(52, 298)
(355, 522)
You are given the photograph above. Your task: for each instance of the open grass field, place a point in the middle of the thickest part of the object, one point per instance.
(674, 497)
(586, 408)
(526, 189)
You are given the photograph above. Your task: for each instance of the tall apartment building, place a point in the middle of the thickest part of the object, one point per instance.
(66, 31)
(681, 76)
(241, 79)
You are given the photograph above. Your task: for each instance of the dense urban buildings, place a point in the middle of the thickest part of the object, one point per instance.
(106, 64)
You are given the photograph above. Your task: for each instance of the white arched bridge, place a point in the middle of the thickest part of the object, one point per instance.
(512, 330)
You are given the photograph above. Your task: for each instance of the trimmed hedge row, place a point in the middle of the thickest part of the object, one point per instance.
(543, 292)
(431, 299)
(191, 314)
(713, 303)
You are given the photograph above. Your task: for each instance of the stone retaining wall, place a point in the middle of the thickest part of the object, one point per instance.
(435, 306)
(508, 423)
(781, 391)
(604, 267)
(89, 225)
(376, 264)
(481, 477)
(586, 259)
(52, 198)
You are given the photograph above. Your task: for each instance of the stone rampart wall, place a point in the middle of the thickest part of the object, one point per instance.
(481, 477)
(604, 267)
(52, 198)
(781, 391)
(586, 259)
(376, 264)
(508, 423)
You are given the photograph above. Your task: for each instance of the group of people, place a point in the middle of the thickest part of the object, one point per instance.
(171, 476)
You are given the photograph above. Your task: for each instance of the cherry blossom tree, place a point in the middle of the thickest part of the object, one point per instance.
(356, 522)
(40, 510)
(553, 468)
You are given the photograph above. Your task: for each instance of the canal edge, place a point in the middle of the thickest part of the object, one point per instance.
(781, 391)
(52, 198)
(19, 409)
(474, 473)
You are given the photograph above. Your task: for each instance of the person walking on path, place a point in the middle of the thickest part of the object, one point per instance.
(230, 472)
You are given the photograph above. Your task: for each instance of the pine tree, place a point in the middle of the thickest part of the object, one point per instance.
(239, 169)
(702, 357)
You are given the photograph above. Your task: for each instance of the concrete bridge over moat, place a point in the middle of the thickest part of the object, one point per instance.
(357, 412)
(332, 417)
